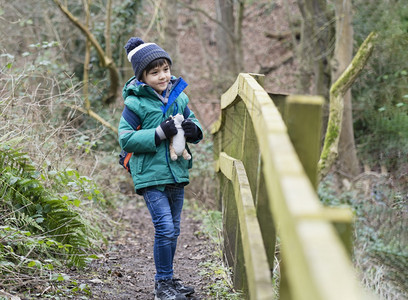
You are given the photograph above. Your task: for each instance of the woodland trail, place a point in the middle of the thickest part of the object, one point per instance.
(126, 270)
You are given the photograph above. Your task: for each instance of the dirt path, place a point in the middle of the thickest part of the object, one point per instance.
(126, 270)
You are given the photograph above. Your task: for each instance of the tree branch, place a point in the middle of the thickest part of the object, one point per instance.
(94, 115)
(337, 91)
(156, 11)
(104, 59)
(107, 32)
(287, 57)
(203, 12)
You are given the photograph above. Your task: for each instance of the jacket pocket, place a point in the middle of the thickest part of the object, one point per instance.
(136, 166)
(140, 161)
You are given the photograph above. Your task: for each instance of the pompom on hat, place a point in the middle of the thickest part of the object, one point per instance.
(140, 54)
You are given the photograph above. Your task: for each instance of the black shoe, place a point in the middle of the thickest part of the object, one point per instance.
(182, 289)
(164, 290)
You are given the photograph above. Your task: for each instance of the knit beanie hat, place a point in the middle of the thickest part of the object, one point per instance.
(140, 54)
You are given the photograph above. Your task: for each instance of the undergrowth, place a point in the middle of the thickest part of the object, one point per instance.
(42, 226)
(380, 230)
(50, 210)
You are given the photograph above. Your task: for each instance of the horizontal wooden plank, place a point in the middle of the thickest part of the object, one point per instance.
(256, 262)
(226, 165)
(327, 263)
(217, 125)
(305, 99)
(332, 214)
(230, 95)
(306, 233)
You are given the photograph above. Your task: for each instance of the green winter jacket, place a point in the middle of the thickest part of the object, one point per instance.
(151, 165)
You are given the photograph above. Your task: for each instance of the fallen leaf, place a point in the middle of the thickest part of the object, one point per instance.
(96, 280)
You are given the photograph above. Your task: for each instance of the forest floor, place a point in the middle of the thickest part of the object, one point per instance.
(126, 269)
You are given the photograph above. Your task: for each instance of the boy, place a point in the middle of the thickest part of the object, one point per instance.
(154, 95)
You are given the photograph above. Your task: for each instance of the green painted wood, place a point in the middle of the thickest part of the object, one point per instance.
(303, 118)
(316, 262)
(248, 146)
(283, 172)
(230, 224)
(251, 271)
(239, 270)
(252, 161)
(345, 232)
(279, 100)
(266, 222)
(284, 288)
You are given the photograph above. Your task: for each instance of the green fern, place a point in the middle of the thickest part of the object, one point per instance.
(27, 204)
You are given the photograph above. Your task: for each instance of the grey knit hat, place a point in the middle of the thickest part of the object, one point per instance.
(140, 54)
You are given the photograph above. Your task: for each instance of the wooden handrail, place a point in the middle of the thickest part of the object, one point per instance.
(316, 263)
(257, 268)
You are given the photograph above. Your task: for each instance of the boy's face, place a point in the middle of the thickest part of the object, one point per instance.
(158, 78)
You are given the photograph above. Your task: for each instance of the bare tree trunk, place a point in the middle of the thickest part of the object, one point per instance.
(170, 43)
(87, 60)
(314, 50)
(304, 48)
(228, 38)
(225, 42)
(108, 48)
(205, 39)
(239, 51)
(343, 54)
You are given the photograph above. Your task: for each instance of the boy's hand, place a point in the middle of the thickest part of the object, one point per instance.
(191, 131)
(166, 129)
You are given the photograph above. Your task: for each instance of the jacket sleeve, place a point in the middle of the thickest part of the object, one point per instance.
(140, 141)
(189, 114)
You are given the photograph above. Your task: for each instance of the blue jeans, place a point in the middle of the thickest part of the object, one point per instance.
(165, 208)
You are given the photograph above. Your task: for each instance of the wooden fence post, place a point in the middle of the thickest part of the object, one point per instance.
(303, 118)
(280, 186)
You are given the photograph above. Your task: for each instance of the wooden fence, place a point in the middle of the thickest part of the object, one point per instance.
(266, 158)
